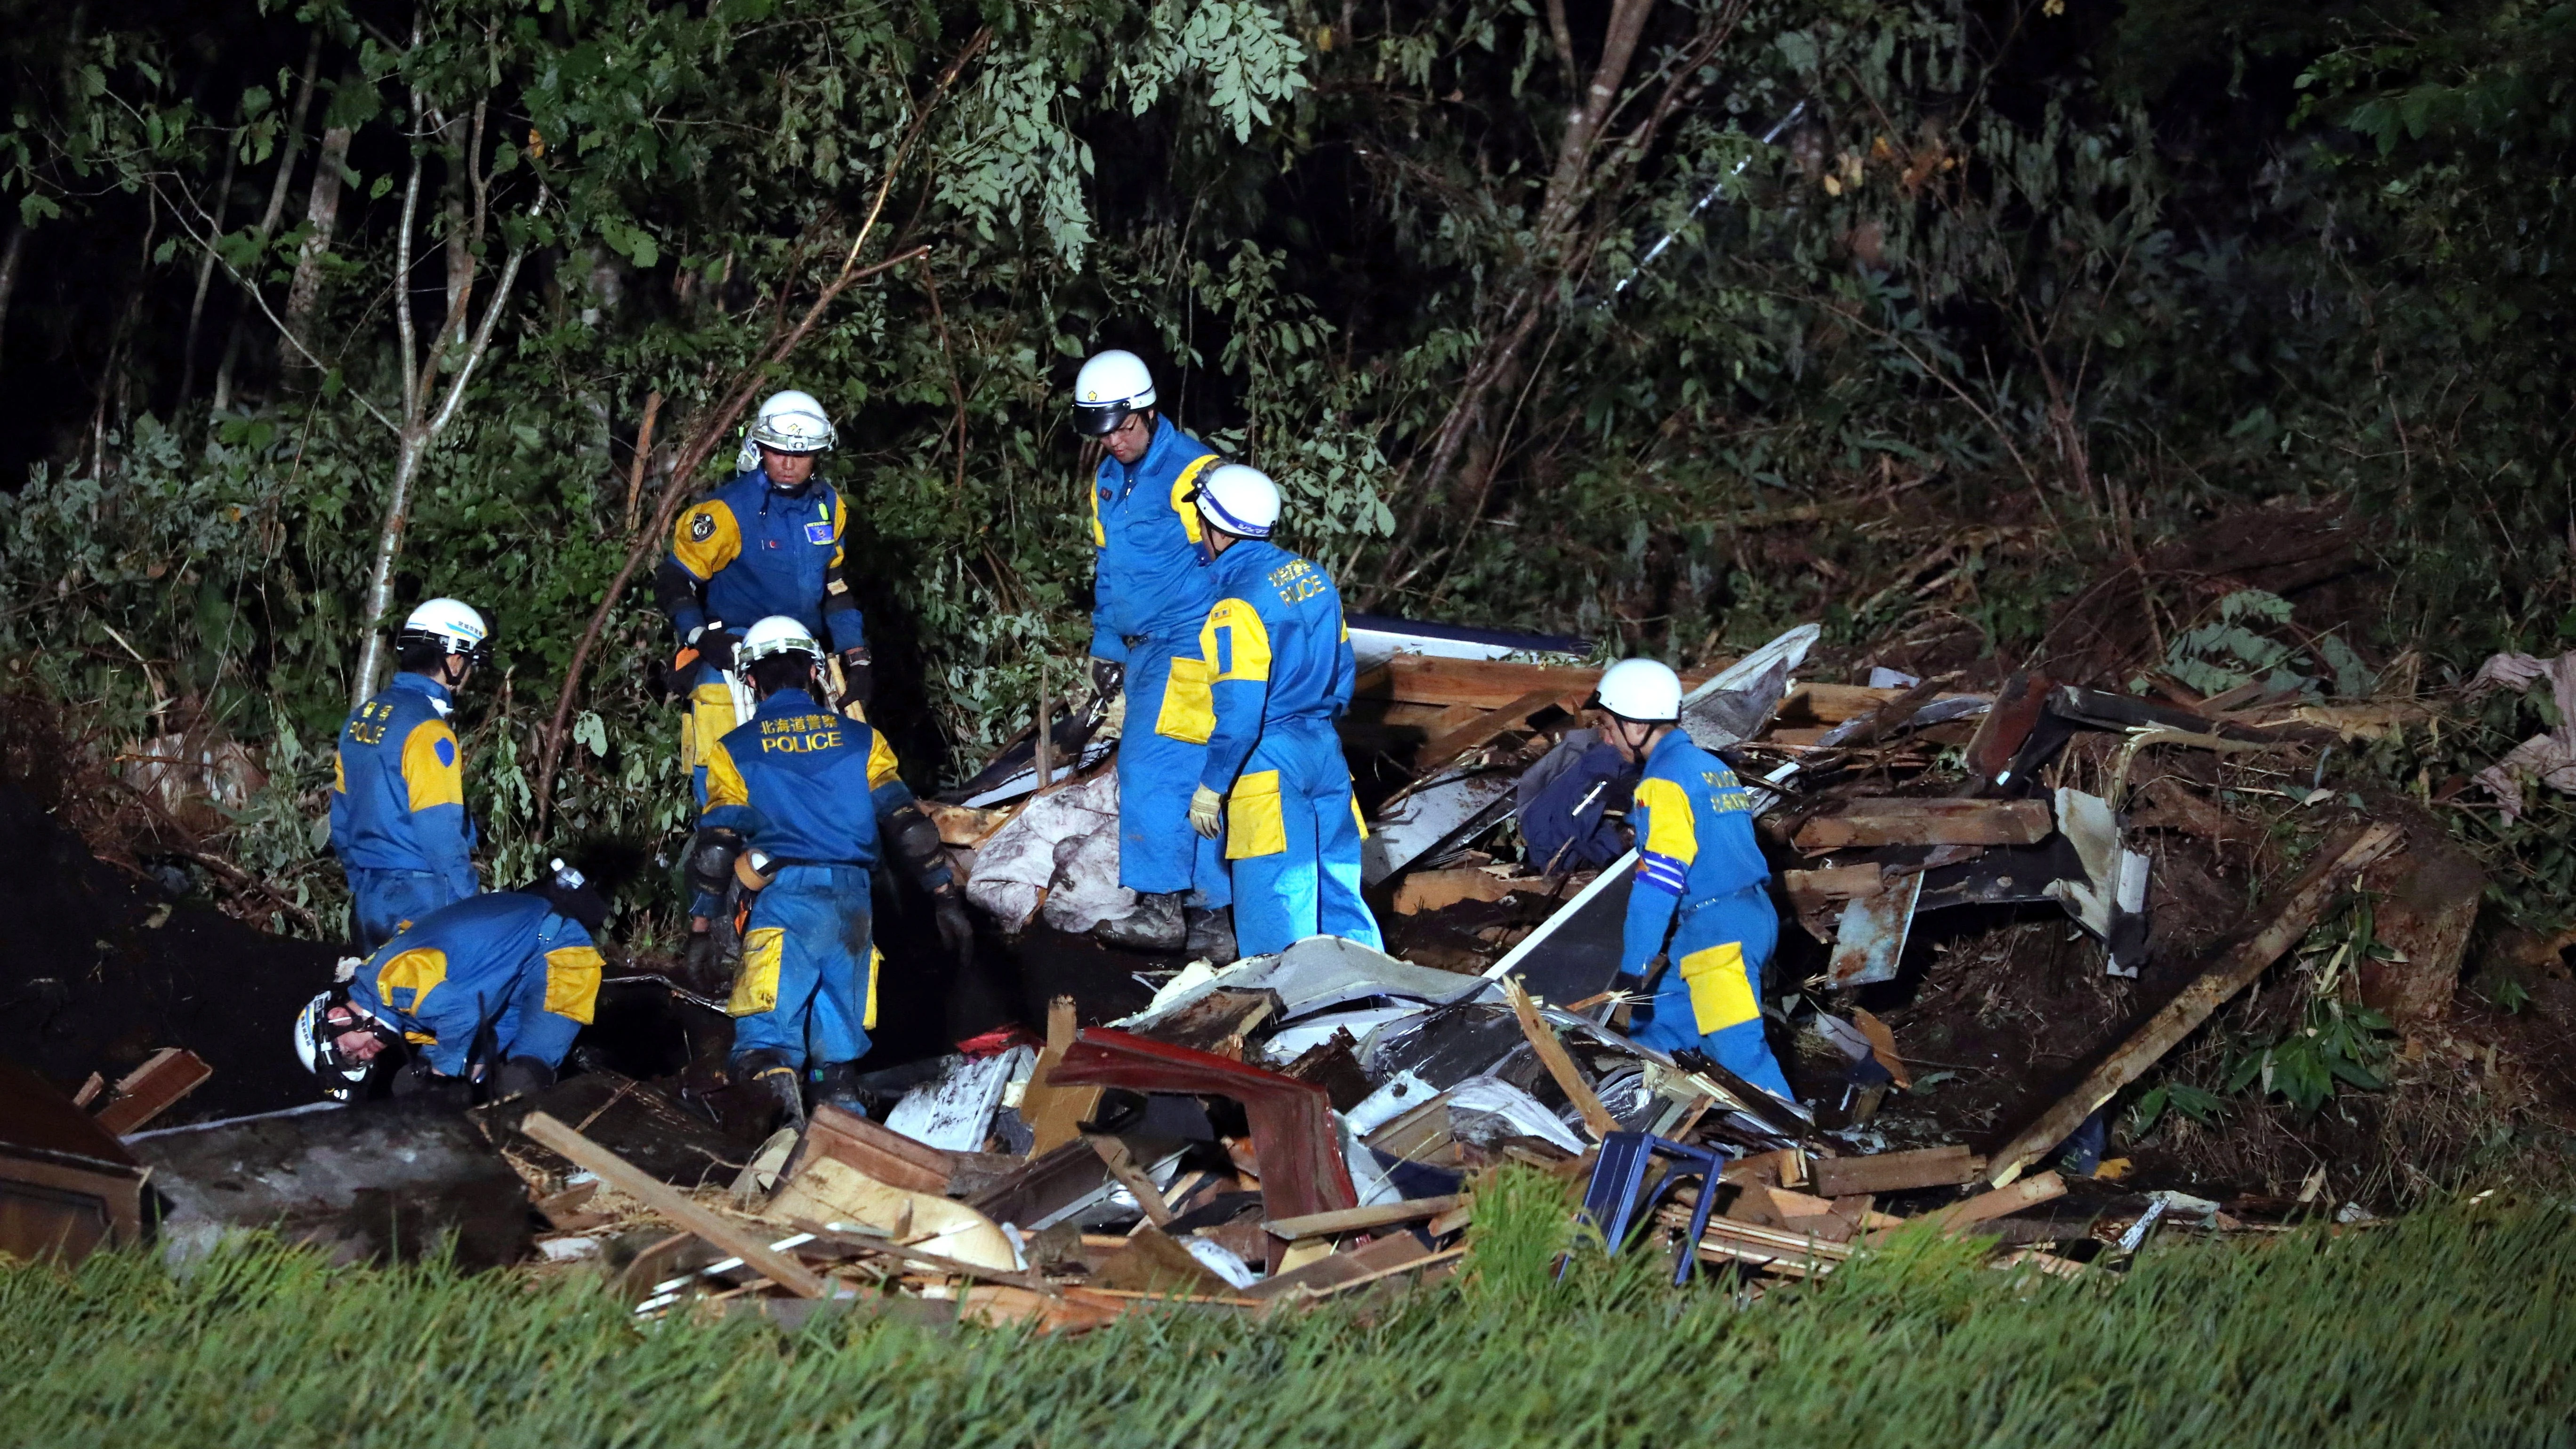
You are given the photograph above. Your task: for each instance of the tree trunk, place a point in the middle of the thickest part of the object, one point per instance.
(460, 264)
(15, 248)
(380, 579)
(287, 152)
(321, 218)
(206, 274)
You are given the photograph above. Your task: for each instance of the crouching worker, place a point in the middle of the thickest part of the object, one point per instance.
(1696, 861)
(1275, 785)
(801, 805)
(490, 989)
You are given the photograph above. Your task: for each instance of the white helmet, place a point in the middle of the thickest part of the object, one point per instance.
(1109, 387)
(777, 634)
(317, 1045)
(1644, 690)
(793, 422)
(455, 627)
(1239, 500)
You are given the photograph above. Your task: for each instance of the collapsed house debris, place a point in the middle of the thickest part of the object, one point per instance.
(1301, 1128)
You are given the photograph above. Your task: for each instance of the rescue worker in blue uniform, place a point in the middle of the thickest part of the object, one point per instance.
(1276, 787)
(768, 542)
(398, 820)
(490, 990)
(1150, 593)
(802, 804)
(1700, 878)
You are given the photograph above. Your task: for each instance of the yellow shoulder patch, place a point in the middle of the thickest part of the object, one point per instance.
(724, 780)
(1235, 643)
(1670, 829)
(706, 538)
(431, 765)
(881, 762)
(1182, 488)
(416, 972)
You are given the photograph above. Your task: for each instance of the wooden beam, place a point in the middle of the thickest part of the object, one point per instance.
(1442, 748)
(888, 1156)
(1928, 822)
(1484, 683)
(1894, 1171)
(677, 1206)
(1560, 1064)
(829, 1236)
(1361, 1219)
(1985, 1207)
(2235, 969)
(1123, 1166)
(1431, 890)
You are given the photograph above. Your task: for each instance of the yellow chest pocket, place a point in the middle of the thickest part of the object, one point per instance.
(1188, 712)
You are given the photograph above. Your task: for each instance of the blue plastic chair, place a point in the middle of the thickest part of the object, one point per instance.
(1612, 1204)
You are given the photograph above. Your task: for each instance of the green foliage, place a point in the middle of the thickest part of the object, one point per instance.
(2334, 1043)
(2200, 1106)
(2308, 1339)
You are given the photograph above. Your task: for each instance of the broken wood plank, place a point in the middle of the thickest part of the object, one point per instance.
(1999, 1202)
(965, 826)
(1401, 1250)
(1442, 748)
(2235, 968)
(153, 1088)
(1811, 891)
(883, 1154)
(735, 1238)
(1928, 822)
(1432, 890)
(1886, 1172)
(1153, 1262)
(1559, 1063)
(1139, 1183)
(1054, 1113)
(1361, 1219)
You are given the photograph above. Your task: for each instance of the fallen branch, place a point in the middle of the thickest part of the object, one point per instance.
(2234, 970)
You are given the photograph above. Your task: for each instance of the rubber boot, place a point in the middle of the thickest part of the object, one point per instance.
(1155, 925)
(838, 1085)
(775, 1084)
(520, 1075)
(1211, 935)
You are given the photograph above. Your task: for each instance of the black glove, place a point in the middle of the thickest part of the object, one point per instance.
(858, 676)
(1633, 985)
(715, 646)
(418, 1084)
(1106, 676)
(956, 929)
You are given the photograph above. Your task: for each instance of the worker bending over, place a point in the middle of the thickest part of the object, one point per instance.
(1150, 594)
(801, 805)
(491, 989)
(1275, 785)
(766, 543)
(1696, 859)
(398, 820)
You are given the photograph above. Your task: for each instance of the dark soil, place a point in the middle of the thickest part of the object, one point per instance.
(98, 968)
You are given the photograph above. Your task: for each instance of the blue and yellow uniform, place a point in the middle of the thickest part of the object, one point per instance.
(1150, 593)
(745, 552)
(398, 820)
(1696, 857)
(809, 788)
(1279, 660)
(505, 962)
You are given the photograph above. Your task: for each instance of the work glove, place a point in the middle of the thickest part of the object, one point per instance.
(1107, 676)
(1207, 812)
(1632, 985)
(858, 676)
(419, 1085)
(956, 929)
(715, 646)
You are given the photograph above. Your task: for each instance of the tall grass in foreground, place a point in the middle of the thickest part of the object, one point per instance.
(2450, 1327)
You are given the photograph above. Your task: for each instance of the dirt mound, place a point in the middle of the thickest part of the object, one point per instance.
(99, 966)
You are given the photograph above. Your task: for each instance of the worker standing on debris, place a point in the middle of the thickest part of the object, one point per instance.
(398, 820)
(801, 805)
(1150, 593)
(1276, 786)
(766, 543)
(1696, 859)
(491, 989)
